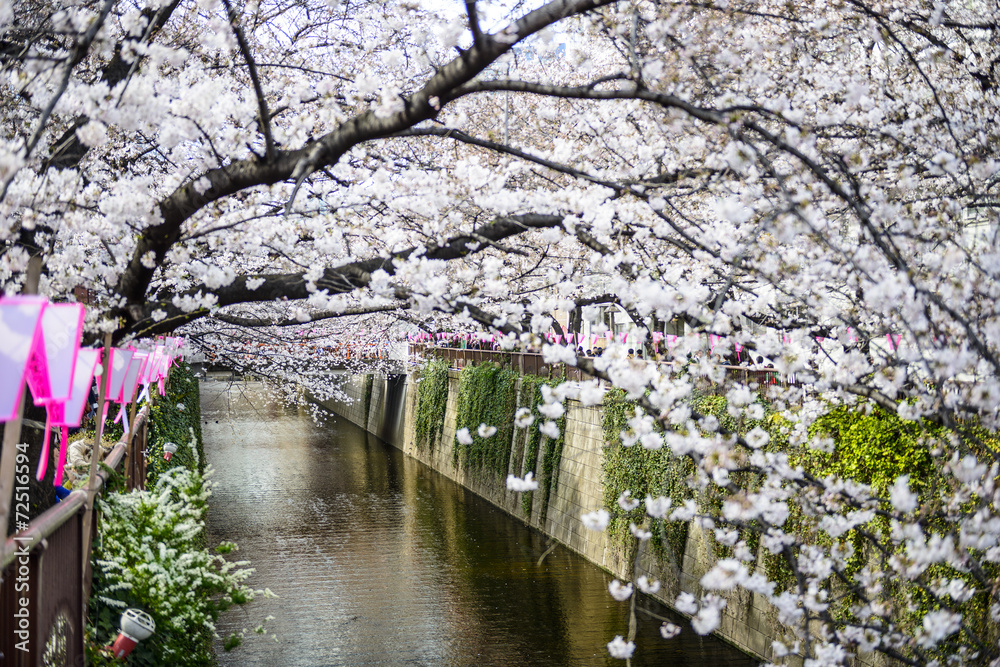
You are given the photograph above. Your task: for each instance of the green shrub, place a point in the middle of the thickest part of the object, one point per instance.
(170, 422)
(150, 555)
(874, 448)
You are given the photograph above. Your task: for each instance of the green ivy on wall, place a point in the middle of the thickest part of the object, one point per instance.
(778, 429)
(548, 472)
(369, 389)
(875, 447)
(175, 417)
(486, 395)
(530, 395)
(432, 401)
(642, 472)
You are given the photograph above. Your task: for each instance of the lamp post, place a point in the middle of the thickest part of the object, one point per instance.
(169, 449)
(136, 625)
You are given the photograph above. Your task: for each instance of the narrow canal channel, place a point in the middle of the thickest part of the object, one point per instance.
(379, 560)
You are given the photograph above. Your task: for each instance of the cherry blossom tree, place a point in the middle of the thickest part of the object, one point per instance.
(813, 181)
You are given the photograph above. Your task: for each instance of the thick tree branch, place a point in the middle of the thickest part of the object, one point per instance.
(335, 280)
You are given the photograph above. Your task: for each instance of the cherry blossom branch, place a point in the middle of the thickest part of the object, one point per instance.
(263, 115)
(297, 165)
(477, 33)
(255, 322)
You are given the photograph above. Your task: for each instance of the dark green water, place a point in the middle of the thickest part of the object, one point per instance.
(379, 560)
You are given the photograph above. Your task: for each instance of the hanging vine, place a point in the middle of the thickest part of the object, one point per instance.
(642, 472)
(486, 397)
(531, 393)
(432, 402)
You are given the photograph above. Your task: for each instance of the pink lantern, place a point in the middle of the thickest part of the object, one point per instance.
(62, 329)
(133, 375)
(120, 360)
(50, 365)
(50, 375)
(117, 367)
(83, 377)
(19, 318)
(129, 384)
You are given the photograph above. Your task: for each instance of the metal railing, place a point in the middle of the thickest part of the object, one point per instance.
(43, 607)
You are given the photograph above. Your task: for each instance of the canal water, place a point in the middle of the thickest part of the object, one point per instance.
(379, 560)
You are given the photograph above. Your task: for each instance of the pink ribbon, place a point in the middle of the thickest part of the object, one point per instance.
(61, 463)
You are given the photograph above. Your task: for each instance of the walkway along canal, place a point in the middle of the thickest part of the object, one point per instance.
(379, 560)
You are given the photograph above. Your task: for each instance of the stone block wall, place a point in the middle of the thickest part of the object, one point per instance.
(387, 408)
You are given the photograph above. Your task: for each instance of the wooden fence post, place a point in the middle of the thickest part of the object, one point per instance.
(95, 454)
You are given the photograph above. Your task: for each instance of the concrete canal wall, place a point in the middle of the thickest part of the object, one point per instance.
(387, 407)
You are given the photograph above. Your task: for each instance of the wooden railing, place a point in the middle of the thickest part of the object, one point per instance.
(43, 605)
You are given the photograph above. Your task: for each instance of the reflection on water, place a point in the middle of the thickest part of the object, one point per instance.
(379, 560)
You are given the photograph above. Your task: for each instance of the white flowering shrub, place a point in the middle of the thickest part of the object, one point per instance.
(151, 555)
